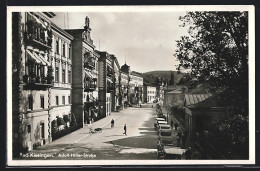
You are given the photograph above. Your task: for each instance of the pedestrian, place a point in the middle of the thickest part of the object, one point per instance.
(176, 126)
(172, 124)
(112, 123)
(124, 130)
(188, 153)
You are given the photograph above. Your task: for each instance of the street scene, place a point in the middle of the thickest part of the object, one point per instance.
(130, 85)
(139, 143)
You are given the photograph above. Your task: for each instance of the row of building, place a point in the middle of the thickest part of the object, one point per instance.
(59, 72)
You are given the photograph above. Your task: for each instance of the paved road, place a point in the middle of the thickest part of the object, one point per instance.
(140, 142)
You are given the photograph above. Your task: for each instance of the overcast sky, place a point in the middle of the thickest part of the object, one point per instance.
(146, 40)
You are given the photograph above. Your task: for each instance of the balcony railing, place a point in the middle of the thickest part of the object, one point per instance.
(110, 89)
(89, 61)
(90, 86)
(89, 64)
(38, 35)
(37, 82)
(110, 72)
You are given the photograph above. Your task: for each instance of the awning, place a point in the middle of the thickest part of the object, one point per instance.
(36, 58)
(40, 58)
(108, 79)
(87, 74)
(43, 59)
(38, 20)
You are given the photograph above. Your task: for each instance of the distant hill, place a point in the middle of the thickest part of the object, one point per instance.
(150, 77)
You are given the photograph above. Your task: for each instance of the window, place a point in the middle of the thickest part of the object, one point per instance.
(42, 101)
(69, 77)
(57, 46)
(30, 102)
(69, 51)
(29, 130)
(63, 49)
(63, 76)
(42, 130)
(69, 99)
(57, 74)
(57, 100)
(63, 100)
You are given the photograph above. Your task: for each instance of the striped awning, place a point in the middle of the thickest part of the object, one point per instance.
(33, 56)
(109, 80)
(44, 60)
(38, 20)
(87, 74)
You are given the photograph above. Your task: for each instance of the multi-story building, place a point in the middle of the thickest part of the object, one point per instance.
(136, 88)
(124, 83)
(32, 79)
(105, 83)
(85, 75)
(61, 60)
(149, 93)
(125, 80)
(116, 93)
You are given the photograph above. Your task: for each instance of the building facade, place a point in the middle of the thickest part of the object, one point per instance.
(136, 88)
(125, 83)
(151, 94)
(85, 75)
(61, 60)
(105, 83)
(116, 93)
(59, 73)
(32, 80)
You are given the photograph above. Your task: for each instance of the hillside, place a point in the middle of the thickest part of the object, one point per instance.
(150, 77)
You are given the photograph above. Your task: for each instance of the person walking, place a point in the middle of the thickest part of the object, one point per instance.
(112, 123)
(124, 130)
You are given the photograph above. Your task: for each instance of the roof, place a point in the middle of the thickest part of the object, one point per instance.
(200, 100)
(125, 68)
(175, 91)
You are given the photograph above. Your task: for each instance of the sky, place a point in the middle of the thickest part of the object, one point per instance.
(145, 41)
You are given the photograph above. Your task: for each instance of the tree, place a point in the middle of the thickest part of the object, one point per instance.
(216, 52)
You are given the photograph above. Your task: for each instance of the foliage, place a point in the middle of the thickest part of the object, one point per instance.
(66, 118)
(165, 76)
(65, 131)
(216, 52)
(60, 121)
(54, 126)
(233, 133)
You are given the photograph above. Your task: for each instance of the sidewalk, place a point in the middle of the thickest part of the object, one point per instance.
(82, 133)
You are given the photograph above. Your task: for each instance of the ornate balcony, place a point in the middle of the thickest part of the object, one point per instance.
(36, 82)
(110, 72)
(90, 86)
(89, 61)
(38, 36)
